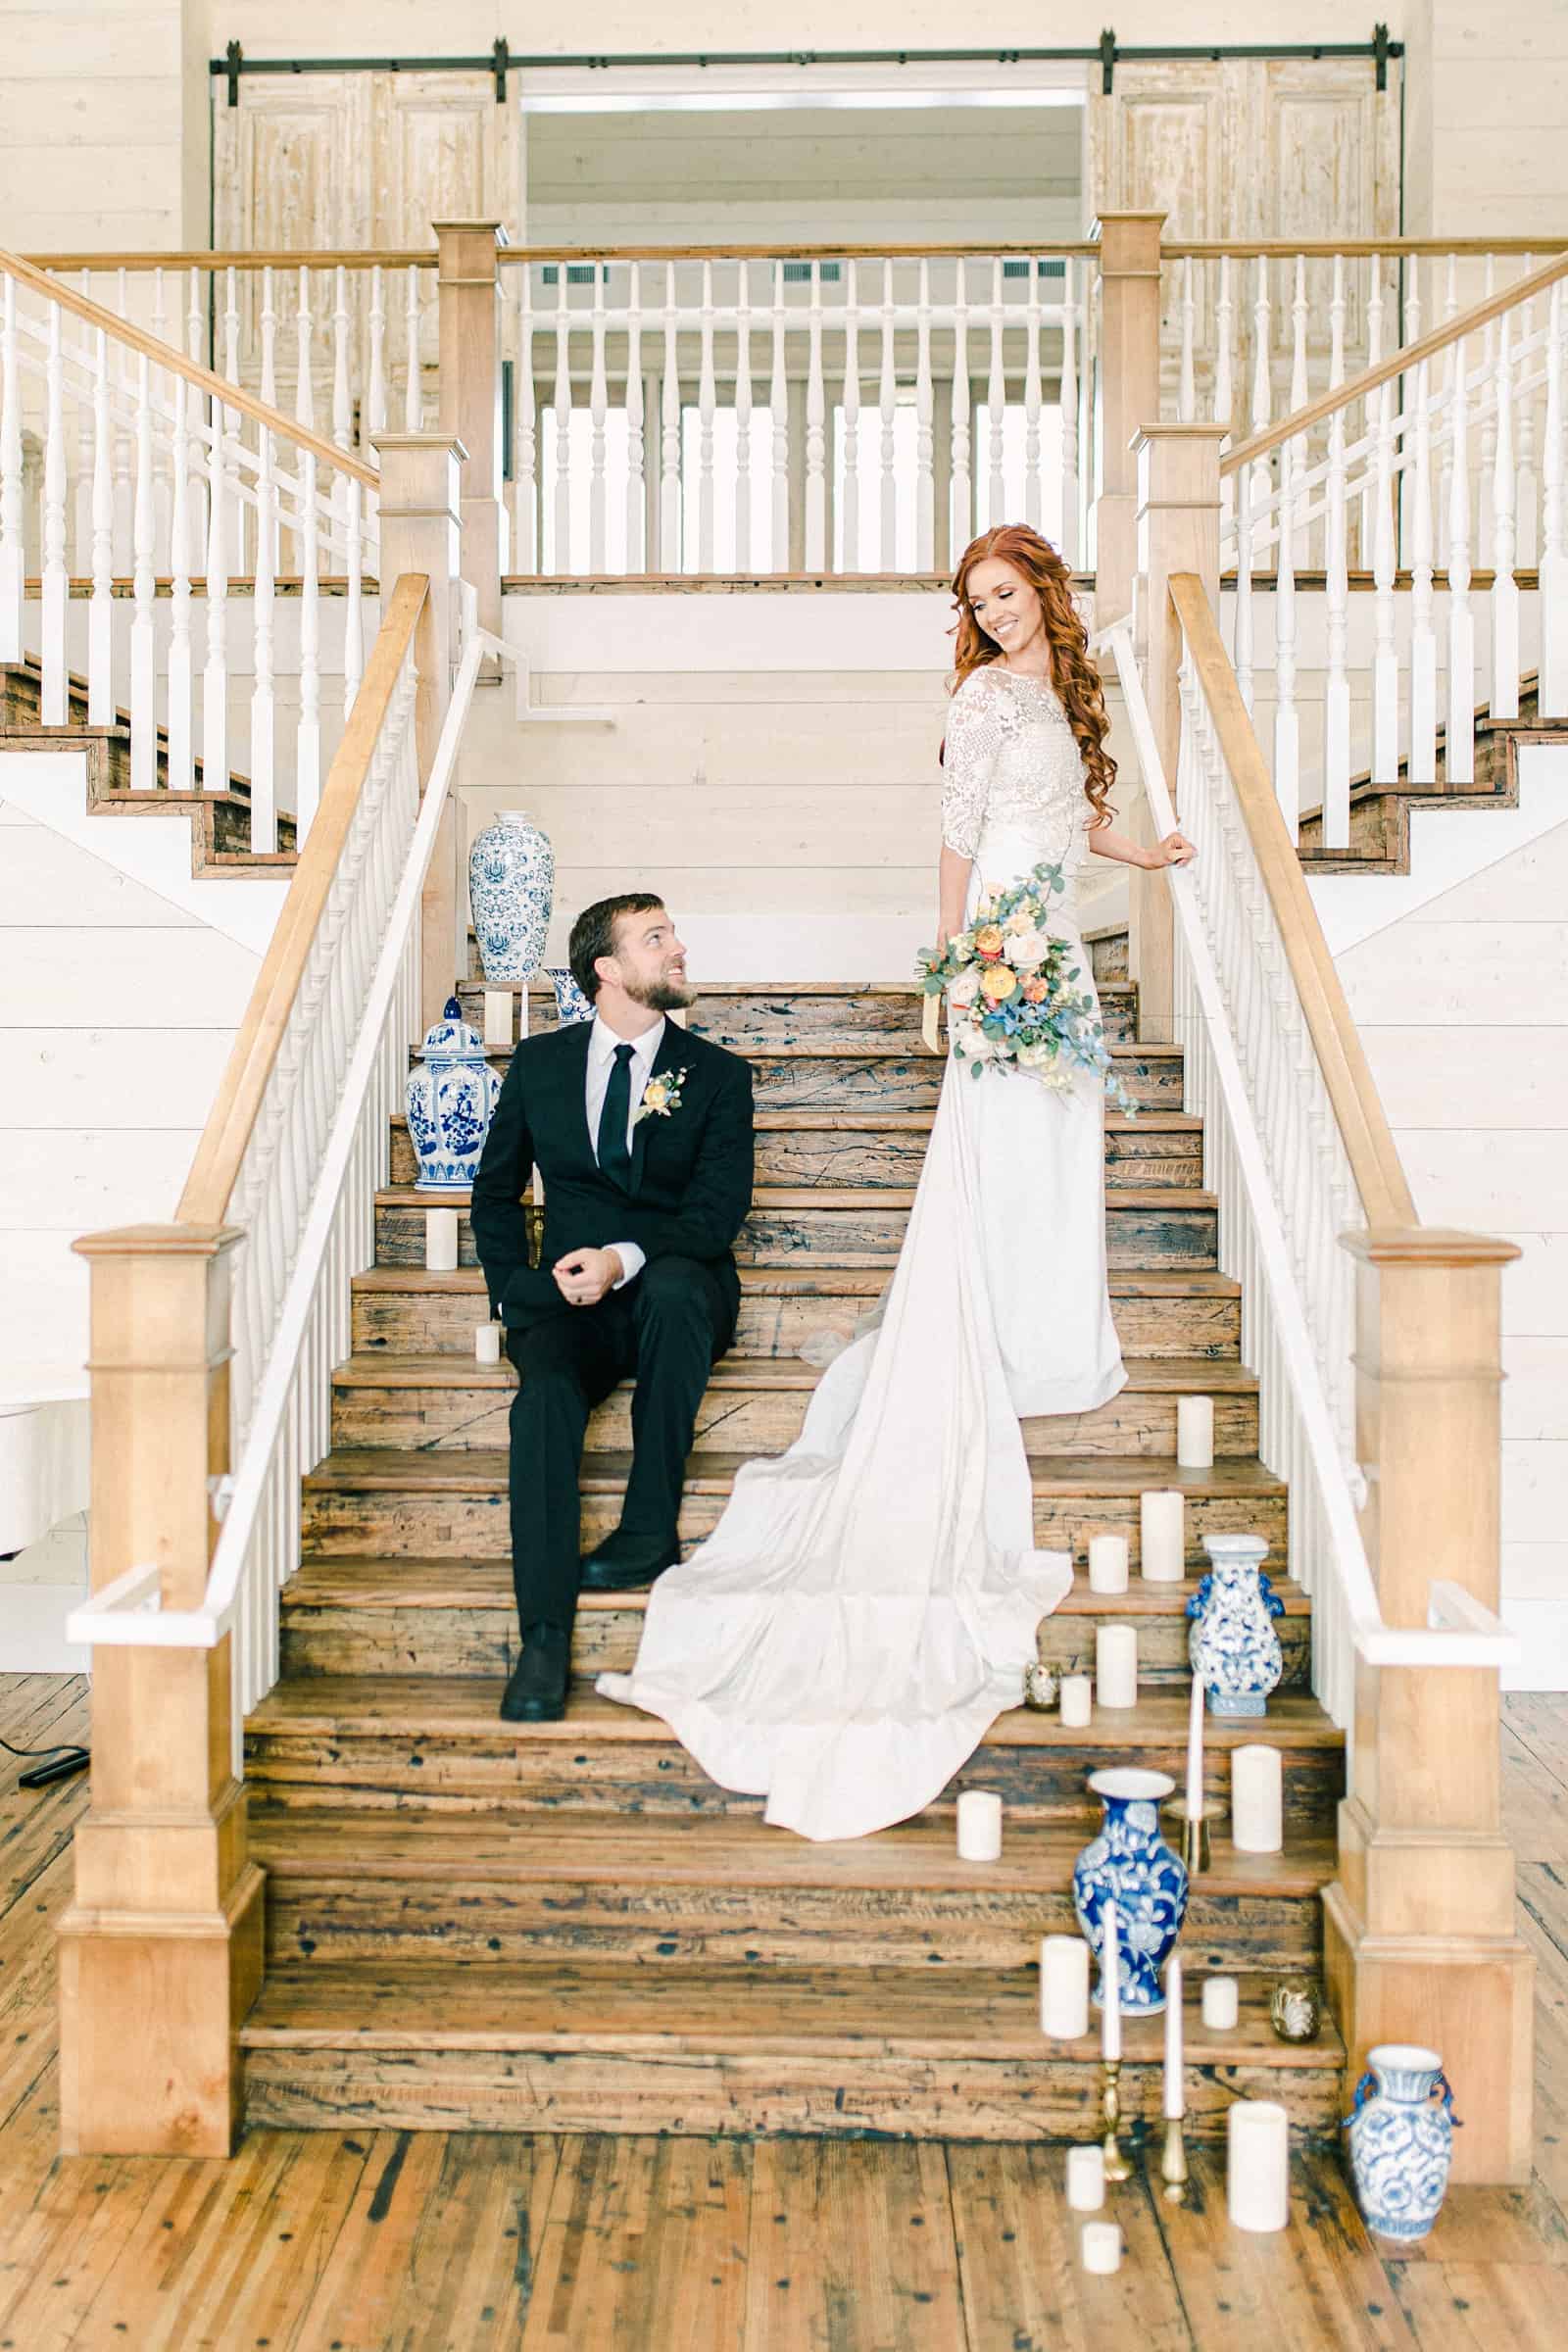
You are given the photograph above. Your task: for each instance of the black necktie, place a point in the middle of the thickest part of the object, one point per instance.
(614, 1154)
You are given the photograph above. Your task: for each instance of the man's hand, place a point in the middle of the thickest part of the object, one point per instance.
(585, 1276)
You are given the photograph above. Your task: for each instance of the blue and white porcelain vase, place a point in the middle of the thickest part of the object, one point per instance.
(1402, 2139)
(450, 1101)
(571, 1002)
(1130, 1865)
(1233, 1647)
(511, 890)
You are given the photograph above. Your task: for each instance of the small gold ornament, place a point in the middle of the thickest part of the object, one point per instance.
(1296, 2009)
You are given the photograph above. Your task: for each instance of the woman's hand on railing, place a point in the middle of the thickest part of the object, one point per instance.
(1174, 849)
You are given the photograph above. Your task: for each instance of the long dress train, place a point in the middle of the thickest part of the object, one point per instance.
(866, 1606)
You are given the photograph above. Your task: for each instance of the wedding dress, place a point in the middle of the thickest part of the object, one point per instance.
(868, 1605)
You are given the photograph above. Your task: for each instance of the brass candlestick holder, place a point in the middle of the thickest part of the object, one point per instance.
(1173, 2163)
(1194, 1843)
(1118, 2167)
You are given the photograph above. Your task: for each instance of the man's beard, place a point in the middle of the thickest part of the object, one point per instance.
(662, 995)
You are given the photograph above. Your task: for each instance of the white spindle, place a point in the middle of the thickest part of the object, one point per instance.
(267, 513)
(1486, 532)
(1298, 385)
(961, 508)
(1526, 501)
(1337, 682)
(778, 403)
(413, 373)
(1262, 387)
(143, 678)
(1504, 587)
(525, 467)
(887, 403)
(1553, 687)
(1423, 634)
(56, 580)
(995, 405)
(342, 394)
(80, 552)
(598, 411)
(308, 737)
(353, 600)
(264, 739)
(1459, 749)
(1072, 543)
(924, 450)
(1445, 478)
(13, 559)
(707, 404)
(1337, 375)
(560, 560)
(816, 446)
(214, 677)
(1287, 721)
(1246, 481)
(636, 459)
(304, 383)
(101, 613)
(1385, 657)
(669, 533)
(373, 417)
(181, 667)
(851, 516)
(1187, 388)
(743, 417)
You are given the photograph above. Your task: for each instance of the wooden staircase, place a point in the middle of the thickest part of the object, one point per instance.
(566, 1926)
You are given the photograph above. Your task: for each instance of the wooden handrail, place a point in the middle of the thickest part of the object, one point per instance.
(1399, 362)
(175, 363)
(1369, 1145)
(1328, 249)
(511, 255)
(216, 1168)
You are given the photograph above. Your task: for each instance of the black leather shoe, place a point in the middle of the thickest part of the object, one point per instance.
(628, 1563)
(537, 1689)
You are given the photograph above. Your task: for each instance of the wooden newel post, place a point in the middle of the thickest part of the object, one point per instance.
(161, 1950)
(1178, 530)
(469, 295)
(1420, 1938)
(1129, 393)
(421, 531)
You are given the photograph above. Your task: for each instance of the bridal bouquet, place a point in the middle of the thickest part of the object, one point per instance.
(1011, 1004)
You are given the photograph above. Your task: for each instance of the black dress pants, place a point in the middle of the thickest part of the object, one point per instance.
(666, 1328)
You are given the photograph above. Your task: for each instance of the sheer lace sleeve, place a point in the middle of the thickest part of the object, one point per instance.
(975, 729)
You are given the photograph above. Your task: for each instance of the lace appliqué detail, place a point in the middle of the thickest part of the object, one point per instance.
(988, 717)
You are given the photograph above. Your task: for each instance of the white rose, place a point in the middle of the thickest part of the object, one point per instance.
(964, 989)
(977, 1047)
(1027, 948)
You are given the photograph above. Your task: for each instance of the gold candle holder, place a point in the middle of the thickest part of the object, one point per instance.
(1173, 2163)
(1194, 1843)
(1118, 2167)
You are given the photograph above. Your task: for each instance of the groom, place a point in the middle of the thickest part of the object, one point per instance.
(642, 1135)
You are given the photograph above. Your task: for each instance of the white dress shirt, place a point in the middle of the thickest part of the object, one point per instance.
(602, 1044)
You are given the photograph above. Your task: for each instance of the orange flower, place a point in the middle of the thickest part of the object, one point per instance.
(998, 983)
(1035, 992)
(988, 942)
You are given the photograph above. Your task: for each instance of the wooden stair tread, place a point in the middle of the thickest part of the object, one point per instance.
(904, 991)
(483, 1470)
(848, 1196)
(815, 2013)
(424, 1706)
(719, 1848)
(823, 1279)
(335, 1582)
(809, 1049)
(856, 1121)
(1159, 1375)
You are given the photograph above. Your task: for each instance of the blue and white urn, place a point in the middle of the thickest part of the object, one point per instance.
(571, 1002)
(1130, 1865)
(512, 891)
(1233, 1647)
(1402, 2139)
(449, 1102)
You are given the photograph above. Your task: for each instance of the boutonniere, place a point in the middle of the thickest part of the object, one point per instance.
(661, 1096)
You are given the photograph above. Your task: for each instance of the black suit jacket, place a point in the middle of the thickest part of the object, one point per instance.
(686, 1195)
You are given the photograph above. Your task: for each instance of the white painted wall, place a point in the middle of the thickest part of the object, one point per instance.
(94, 131)
(1462, 997)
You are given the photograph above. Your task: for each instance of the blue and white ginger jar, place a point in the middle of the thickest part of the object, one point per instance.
(1130, 1865)
(1233, 1647)
(512, 891)
(449, 1102)
(571, 1002)
(1402, 2139)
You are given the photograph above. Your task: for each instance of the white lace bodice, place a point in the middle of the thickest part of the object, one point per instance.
(1012, 780)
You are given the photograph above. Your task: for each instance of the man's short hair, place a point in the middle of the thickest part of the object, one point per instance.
(593, 934)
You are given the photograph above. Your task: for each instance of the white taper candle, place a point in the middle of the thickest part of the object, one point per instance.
(1195, 1752)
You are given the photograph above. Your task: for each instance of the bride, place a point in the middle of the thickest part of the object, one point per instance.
(865, 1609)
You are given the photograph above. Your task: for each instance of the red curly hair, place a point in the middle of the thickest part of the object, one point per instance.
(1073, 674)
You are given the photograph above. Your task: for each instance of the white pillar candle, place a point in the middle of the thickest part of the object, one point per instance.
(1175, 2092)
(1258, 1801)
(1116, 1665)
(1194, 1433)
(498, 1016)
(1223, 2004)
(1195, 1752)
(1160, 1517)
(1077, 1704)
(487, 1342)
(1063, 1987)
(1107, 1563)
(979, 1826)
(1258, 2165)
(440, 1240)
(1086, 2178)
(1110, 1984)
(1101, 2244)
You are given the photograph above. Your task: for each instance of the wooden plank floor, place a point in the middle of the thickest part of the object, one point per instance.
(384, 2241)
